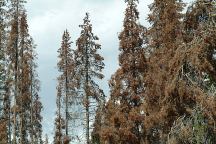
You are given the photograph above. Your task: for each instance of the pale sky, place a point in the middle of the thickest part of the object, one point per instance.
(48, 19)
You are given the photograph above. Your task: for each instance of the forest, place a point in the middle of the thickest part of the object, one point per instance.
(163, 92)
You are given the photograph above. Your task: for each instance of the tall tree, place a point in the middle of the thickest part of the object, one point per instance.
(89, 65)
(30, 104)
(175, 82)
(66, 68)
(2, 53)
(4, 101)
(165, 37)
(35, 122)
(24, 83)
(21, 67)
(16, 7)
(194, 65)
(124, 115)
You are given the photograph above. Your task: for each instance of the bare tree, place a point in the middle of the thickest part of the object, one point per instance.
(89, 65)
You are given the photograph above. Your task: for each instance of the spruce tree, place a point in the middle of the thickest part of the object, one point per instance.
(165, 36)
(194, 65)
(22, 70)
(3, 96)
(2, 54)
(15, 10)
(89, 65)
(24, 83)
(124, 117)
(66, 67)
(176, 84)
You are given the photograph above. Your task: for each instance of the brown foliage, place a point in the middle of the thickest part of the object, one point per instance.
(123, 120)
(175, 78)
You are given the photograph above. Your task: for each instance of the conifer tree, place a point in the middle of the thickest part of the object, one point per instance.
(3, 97)
(66, 68)
(2, 55)
(59, 121)
(30, 95)
(21, 68)
(35, 122)
(16, 7)
(194, 65)
(35, 125)
(123, 121)
(19, 84)
(89, 65)
(24, 83)
(165, 37)
(175, 82)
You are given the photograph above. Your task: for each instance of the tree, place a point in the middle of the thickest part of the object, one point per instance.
(194, 65)
(59, 121)
(89, 65)
(124, 116)
(2, 54)
(36, 107)
(30, 104)
(22, 75)
(176, 81)
(4, 102)
(66, 66)
(165, 37)
(16, 7)
(67, 84)
(24, 83)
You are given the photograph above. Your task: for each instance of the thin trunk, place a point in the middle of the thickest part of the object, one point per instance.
(16, 74)
(31, 123)
(5, 95)
(22, 129)
(60, 126)
(9, 120)
(87, 97)
(7, 112)
(9, 128)
(66, 95)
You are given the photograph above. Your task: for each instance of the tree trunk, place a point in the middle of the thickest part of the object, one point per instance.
(87, 97)
(31, 120)
(66, 95)
(16, 75)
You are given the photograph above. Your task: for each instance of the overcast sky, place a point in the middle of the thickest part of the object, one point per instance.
(49, 18)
